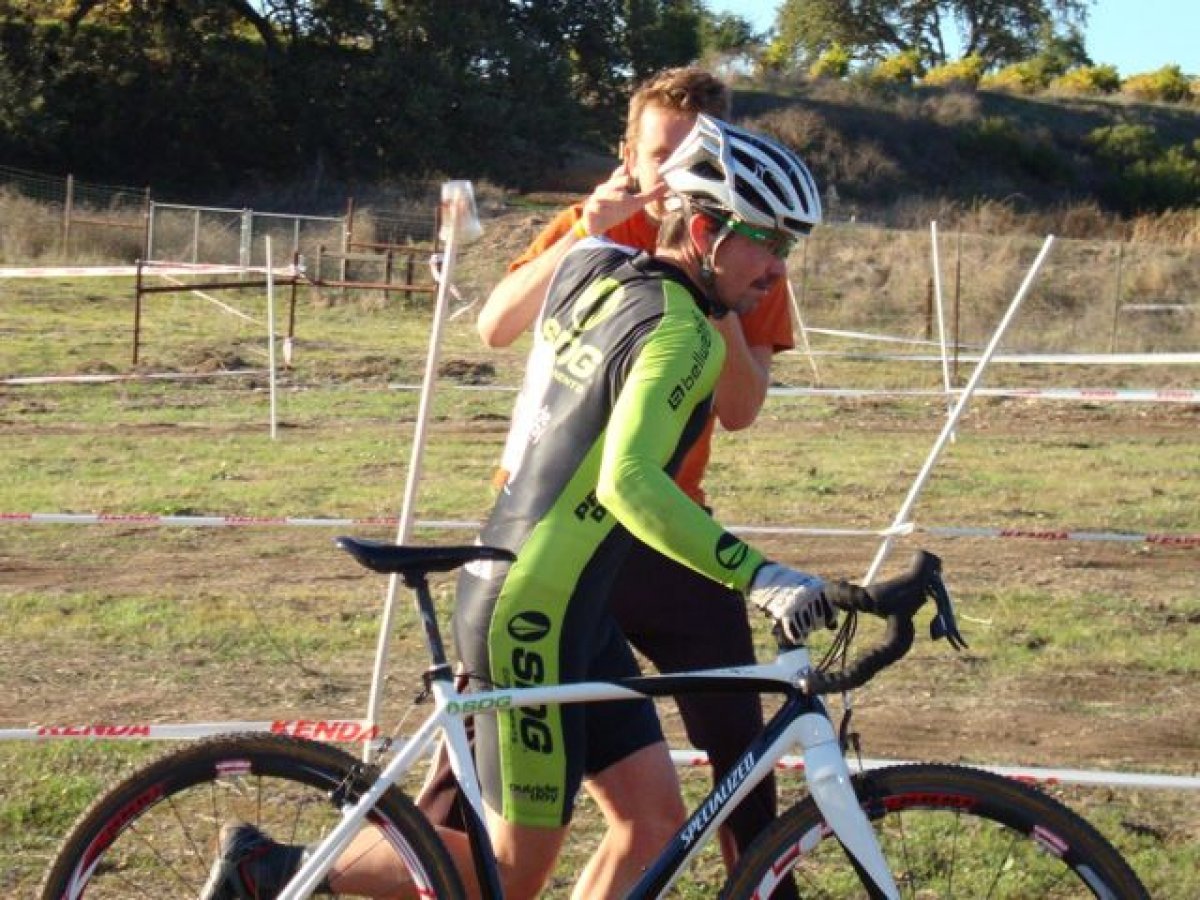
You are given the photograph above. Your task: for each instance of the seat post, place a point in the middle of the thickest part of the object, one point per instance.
(419, 582)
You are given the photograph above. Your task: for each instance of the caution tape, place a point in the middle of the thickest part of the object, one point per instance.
(1067, 359)
(360, 730)
(331, 730)
(1034, 774)
(1162, 539)
(1120, 395)
(132, 271)
(108, 379)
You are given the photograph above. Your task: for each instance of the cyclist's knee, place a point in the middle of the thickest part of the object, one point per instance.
(650, 830)
(525, 855)
(523, 881)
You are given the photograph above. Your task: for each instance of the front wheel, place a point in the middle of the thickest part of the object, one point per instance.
(154, 835)
(947, 832)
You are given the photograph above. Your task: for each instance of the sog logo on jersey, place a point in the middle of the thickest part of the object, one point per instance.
(731, 552)
(699, 358)
(575, 362)
(532, 727)
(529, 626)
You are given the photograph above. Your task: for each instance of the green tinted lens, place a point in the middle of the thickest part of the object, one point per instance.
(776, 243)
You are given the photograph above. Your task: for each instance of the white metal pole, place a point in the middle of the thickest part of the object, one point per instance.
(937, 299)
(271, 336)
(941, 318)
(812, 360)
(414, 466)
(902, 517)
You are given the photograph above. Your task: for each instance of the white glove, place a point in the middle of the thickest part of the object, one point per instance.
(795, 600)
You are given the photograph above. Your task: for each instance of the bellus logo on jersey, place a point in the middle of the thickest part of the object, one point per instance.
(699, 358)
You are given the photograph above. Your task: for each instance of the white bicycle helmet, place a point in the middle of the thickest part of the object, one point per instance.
(755, 178)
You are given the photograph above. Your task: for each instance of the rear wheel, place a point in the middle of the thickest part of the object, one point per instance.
(947, 832)
(154, 835)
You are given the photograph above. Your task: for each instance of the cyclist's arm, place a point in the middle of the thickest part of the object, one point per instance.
(644, 432)
(515, 302)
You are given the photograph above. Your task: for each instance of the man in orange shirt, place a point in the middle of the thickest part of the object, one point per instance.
(675, 617)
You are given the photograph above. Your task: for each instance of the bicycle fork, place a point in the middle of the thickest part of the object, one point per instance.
(829, 783)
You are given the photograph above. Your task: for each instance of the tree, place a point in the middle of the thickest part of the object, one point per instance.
(997, 33)
(728, 33)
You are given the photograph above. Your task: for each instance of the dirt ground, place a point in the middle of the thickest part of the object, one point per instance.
(1126, 717)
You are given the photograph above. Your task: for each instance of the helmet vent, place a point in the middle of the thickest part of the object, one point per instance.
(708, 171)
(747, 192)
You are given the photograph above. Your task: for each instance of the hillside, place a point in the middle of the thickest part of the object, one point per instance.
(876, 147)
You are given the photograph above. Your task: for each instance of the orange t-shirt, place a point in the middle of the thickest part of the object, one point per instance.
(769, 325)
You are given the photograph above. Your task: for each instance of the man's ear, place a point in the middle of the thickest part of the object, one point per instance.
(626, 154)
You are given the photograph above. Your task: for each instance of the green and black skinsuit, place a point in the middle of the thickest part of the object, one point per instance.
(619, 385)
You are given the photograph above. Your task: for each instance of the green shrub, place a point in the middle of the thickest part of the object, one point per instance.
(963, 72)
(1088, 81)
(1145, 175)
(1170, 181)
(902, 68)
(833, 63)
(1009, 148)
(1124, 144)
(1023, 77)
(1167, 84)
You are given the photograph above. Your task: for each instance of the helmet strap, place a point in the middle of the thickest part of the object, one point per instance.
(709, 276)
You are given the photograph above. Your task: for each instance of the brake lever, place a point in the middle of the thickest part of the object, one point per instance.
(943, 625)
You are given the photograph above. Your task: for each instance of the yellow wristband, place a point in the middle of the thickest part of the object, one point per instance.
(580, 230)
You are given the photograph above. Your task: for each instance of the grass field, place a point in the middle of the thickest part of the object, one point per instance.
(1083, 654)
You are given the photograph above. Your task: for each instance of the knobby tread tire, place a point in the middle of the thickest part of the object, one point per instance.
(1040, 829)
(173, 792)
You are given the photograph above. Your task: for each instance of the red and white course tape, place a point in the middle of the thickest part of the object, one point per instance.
(358, 730)
(131, 271)
(1119, 395)
(1040, 534)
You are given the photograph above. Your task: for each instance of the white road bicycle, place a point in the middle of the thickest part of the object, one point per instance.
(919, 831)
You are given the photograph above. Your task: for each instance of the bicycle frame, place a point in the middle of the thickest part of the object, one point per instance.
(802, 720)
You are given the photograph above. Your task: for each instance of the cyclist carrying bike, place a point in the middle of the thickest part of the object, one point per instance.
(619, 387)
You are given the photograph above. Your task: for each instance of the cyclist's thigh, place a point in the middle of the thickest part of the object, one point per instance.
(534, 630)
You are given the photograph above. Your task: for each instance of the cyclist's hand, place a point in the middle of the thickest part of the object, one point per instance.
(795, 600)
(615, 200)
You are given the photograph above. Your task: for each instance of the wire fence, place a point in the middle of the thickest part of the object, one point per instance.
(1096, 296)
(64, 219)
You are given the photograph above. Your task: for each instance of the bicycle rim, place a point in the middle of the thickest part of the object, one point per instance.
(154, 835)
(947, 832)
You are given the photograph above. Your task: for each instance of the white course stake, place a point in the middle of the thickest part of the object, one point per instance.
(902, 517)
(941, 317)
(271, 336)
(460, 224)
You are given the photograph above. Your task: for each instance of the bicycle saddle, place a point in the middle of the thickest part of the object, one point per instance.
(380, 556)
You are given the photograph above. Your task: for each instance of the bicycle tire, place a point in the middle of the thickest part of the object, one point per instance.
(154, 834)
(947, 832)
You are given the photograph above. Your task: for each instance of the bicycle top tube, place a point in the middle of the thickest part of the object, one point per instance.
(784, 674)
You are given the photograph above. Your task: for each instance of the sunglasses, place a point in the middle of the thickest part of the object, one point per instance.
(776, 243)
